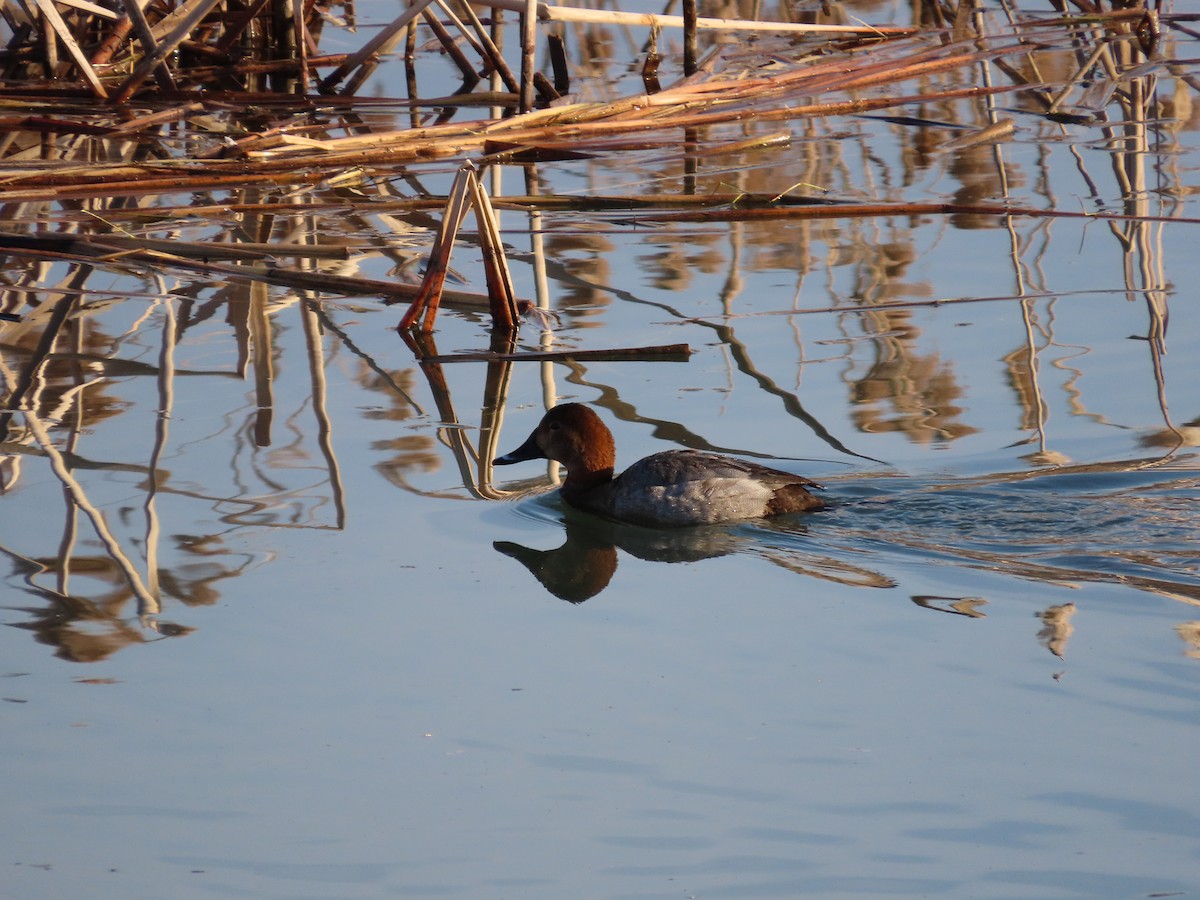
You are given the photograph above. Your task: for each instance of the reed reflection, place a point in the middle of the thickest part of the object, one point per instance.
(69, 375)
(1056, 628)
(956, 606)
(1189, 633)
(76, 359)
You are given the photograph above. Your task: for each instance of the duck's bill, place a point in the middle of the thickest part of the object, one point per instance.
(528, 450)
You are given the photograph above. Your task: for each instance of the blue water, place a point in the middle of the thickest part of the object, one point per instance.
(316, 654)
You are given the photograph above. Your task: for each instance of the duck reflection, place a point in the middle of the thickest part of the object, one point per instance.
(584, 564)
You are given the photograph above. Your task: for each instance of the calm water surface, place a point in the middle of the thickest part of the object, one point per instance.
(273, 631)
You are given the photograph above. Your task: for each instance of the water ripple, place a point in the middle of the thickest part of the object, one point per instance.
(1136, 527)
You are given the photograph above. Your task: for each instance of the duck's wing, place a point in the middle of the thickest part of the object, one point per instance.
(692, 465)
(691, 487)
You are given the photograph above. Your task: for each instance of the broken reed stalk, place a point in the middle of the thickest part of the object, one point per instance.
(689, 38)
(373, 46)
(466, 194)
(59, 27)
(301, 38)
(482, 43)
(141, 27)
(659, 353)
(189, 17)
(84, 246)
(94, 251)
(615, 17)
(502, 297)
(438, 265)
(142, 123)
(873, 210)
(937, 303)
(528, 54)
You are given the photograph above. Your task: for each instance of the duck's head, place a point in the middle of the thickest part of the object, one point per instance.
(570, 434)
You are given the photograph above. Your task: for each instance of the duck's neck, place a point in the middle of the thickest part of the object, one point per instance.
(587, 490)
(581, 479)
(589, 464)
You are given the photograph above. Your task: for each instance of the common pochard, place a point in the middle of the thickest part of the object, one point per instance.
(676, 487)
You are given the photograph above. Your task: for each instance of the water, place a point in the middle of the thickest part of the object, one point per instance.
(317, 654)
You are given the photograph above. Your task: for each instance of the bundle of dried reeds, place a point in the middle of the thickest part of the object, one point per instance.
(291, 144)
(229, 45)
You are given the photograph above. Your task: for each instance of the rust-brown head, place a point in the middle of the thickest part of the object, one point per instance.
(573, 435)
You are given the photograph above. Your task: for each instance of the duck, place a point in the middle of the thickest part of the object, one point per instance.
(671, 488)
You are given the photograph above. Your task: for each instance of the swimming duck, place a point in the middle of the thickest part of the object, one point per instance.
(676, 487)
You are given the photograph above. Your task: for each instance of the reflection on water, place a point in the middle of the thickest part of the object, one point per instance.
(1135, 528)
(958, 606)
(1056, 628)
(165, 415)
(584, 564)
(1190, 633)
(102, 581)
(966, 312)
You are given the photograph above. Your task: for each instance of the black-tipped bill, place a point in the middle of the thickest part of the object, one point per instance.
(528, 450)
